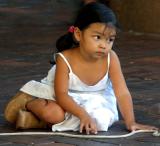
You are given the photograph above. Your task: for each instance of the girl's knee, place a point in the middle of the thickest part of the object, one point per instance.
(53, 113)
(46, 110)
(35, 104)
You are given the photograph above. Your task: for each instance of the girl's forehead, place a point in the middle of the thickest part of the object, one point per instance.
(102, 28)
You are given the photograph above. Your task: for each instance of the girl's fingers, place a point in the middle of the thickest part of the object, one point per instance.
(151, 128)
(93, 129)
(81, 128)
(142, 127)
(87, 128)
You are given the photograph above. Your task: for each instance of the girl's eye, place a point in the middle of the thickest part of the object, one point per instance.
(110, 40)
(97, 37)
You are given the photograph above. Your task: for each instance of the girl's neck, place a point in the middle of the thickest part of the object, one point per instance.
(85, 57)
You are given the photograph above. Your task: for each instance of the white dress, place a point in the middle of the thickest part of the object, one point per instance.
(98, 100)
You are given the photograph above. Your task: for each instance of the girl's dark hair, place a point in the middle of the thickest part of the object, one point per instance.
(90, 13)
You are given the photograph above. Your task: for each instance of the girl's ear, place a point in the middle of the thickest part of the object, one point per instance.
(77, 34)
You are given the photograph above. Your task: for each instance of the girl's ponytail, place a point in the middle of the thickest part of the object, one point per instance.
(65, 42)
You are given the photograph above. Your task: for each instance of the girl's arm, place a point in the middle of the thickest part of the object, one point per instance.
(66, 102)
(122, 93)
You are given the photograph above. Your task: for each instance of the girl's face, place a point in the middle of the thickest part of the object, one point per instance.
(96, 40)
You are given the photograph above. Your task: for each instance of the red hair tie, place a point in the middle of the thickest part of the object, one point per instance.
(71, 29)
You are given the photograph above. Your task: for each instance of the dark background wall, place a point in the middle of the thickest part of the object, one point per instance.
(133, 15)
(138, 15)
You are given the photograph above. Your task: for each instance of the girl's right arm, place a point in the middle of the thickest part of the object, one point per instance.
(66, 102)
(123, 95)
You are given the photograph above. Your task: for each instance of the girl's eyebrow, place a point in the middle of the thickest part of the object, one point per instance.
(113, 35)
(100, 33)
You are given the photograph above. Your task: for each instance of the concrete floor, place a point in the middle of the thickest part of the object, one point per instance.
(27, 39)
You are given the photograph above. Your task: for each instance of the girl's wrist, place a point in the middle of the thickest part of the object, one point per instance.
(82, 113)
(129, 124)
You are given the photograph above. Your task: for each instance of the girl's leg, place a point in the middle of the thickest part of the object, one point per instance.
(46, 110)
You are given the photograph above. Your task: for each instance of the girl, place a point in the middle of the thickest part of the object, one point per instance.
(82, 90)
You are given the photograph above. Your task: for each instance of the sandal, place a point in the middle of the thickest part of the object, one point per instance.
(27, 120)
(15, 104)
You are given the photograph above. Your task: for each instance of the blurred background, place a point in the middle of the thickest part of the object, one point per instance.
(138, 15)
(27, 19)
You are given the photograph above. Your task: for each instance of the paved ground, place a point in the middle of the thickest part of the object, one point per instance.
(27, 38)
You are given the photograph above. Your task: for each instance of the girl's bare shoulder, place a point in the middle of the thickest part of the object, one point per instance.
(113, 57)
(113, 53)
(69, 53)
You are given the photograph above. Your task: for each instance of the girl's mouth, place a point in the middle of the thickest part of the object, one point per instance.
(101, 53)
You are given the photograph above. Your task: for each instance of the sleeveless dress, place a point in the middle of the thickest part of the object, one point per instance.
(98, 100)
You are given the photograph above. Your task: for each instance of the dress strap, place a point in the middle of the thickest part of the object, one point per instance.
(108, 61)
(65, 60)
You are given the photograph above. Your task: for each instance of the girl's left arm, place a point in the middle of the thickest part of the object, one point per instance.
(123, 95)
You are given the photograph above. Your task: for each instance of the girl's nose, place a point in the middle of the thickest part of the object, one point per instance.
(103, 45)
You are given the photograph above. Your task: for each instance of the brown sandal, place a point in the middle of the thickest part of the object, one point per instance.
(27, 120)
(15, 104)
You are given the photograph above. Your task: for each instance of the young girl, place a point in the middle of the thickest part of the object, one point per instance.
(82, 90)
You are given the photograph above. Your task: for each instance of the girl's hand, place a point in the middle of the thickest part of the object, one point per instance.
(136, 126)
(88, 124)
